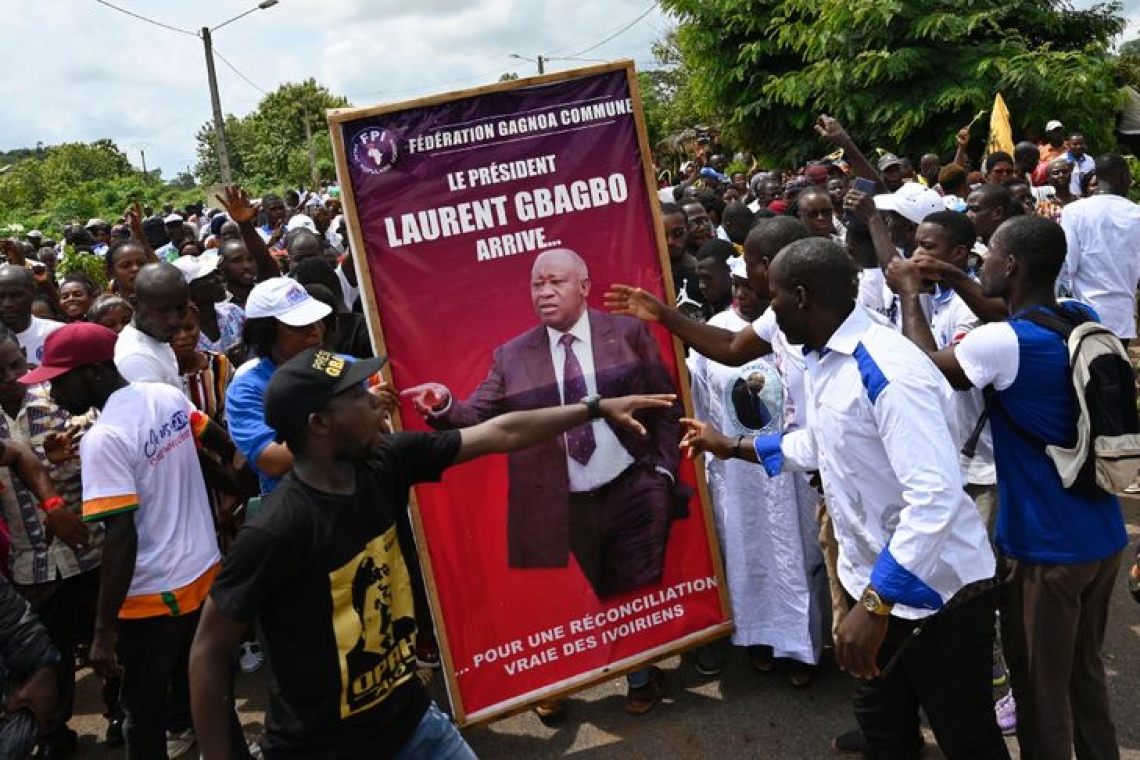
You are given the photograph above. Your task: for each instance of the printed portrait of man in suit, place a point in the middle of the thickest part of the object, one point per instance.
(605, 496)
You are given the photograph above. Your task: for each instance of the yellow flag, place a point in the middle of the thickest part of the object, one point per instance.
(1001, 135)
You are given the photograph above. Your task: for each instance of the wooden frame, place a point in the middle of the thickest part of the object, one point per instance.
(336, 119)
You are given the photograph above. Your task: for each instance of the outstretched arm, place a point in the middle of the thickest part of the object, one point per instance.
(730, 348)
(520, 430)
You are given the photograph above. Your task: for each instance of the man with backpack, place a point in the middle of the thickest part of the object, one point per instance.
(1061, 545)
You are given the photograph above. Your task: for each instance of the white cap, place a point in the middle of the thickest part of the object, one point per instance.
(912, 200)
(300, 220)
(1054, 124)
(95, 223)
(285, 300)
(737, 267)
(173, 219)
(196, 267)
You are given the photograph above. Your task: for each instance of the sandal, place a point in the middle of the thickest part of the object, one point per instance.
(761, 658)
(800, 674)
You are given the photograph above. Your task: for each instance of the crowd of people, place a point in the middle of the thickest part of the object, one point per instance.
(875, 393)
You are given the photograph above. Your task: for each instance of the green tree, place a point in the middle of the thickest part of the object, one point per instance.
(269, 147)
(1131, 48)
(72, 163)
(668, 96)
(55, 185)
(902, 75)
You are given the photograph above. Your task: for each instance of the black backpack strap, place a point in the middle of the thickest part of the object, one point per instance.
(1058, 319)
(1036, 441)
(970, 447)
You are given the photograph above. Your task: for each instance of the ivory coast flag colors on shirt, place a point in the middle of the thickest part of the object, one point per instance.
(140, 462)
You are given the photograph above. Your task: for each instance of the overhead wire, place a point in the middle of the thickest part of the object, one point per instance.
(147, 20)
(619, 32)
(233, 68)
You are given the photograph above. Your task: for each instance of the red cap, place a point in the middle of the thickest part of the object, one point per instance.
(75, 345)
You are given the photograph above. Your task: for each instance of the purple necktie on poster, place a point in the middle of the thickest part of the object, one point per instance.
(580, 443)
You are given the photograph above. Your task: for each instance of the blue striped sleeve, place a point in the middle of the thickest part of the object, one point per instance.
(770, 453)
(873, 378)
(897, 585)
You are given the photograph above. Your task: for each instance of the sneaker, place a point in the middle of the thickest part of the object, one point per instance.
(1000, 675)
(178, 743)
(1132, 488)
(251, 658)
(1006, 710)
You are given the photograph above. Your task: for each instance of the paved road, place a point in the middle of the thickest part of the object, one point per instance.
(739, 715)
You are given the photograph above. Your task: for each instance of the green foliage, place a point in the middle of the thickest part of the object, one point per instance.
(268, 148)
(1130, 48)
(75, 182)
(901, 75)
(88, 263)
(669, 95)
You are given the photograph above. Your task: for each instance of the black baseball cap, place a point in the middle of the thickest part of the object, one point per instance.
(306, 383)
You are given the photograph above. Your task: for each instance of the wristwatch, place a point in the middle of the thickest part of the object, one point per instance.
(874, 603)
(593, 406)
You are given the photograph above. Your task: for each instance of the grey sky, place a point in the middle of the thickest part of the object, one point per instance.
(78, 70)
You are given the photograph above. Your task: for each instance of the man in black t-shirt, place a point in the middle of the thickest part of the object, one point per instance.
(321, 570)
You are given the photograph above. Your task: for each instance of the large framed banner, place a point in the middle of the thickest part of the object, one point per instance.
(486, 225)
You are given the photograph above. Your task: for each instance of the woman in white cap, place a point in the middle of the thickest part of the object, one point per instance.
(281, 321)
(221, 322)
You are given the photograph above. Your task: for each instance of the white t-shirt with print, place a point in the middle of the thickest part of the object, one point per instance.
(32, 339)
(140, 457)
(142, 359)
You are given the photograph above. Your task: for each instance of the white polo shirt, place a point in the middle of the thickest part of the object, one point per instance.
(1102, 234)
(880, 431)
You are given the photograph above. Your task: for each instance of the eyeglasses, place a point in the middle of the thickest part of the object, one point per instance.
(820, 214)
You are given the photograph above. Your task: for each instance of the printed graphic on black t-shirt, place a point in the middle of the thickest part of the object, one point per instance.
(374, 623)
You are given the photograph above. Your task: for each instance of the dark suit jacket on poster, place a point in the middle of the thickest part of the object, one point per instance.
(626, 361)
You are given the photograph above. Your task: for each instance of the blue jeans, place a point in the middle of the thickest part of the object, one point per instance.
(436, 738)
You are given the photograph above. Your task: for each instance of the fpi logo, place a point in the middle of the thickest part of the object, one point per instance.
(375, 150)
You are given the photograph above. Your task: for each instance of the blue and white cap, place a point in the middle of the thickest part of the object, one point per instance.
(286, 301)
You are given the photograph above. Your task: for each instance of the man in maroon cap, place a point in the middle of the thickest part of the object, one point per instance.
(142, 481)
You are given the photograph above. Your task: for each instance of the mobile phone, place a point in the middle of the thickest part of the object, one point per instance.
(864, 185)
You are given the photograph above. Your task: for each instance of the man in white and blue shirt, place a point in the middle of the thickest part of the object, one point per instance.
(912, 548)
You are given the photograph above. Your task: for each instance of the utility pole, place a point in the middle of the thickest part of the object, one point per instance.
(142, 153)
(313, 174)
(219, 125)
(541, 65)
